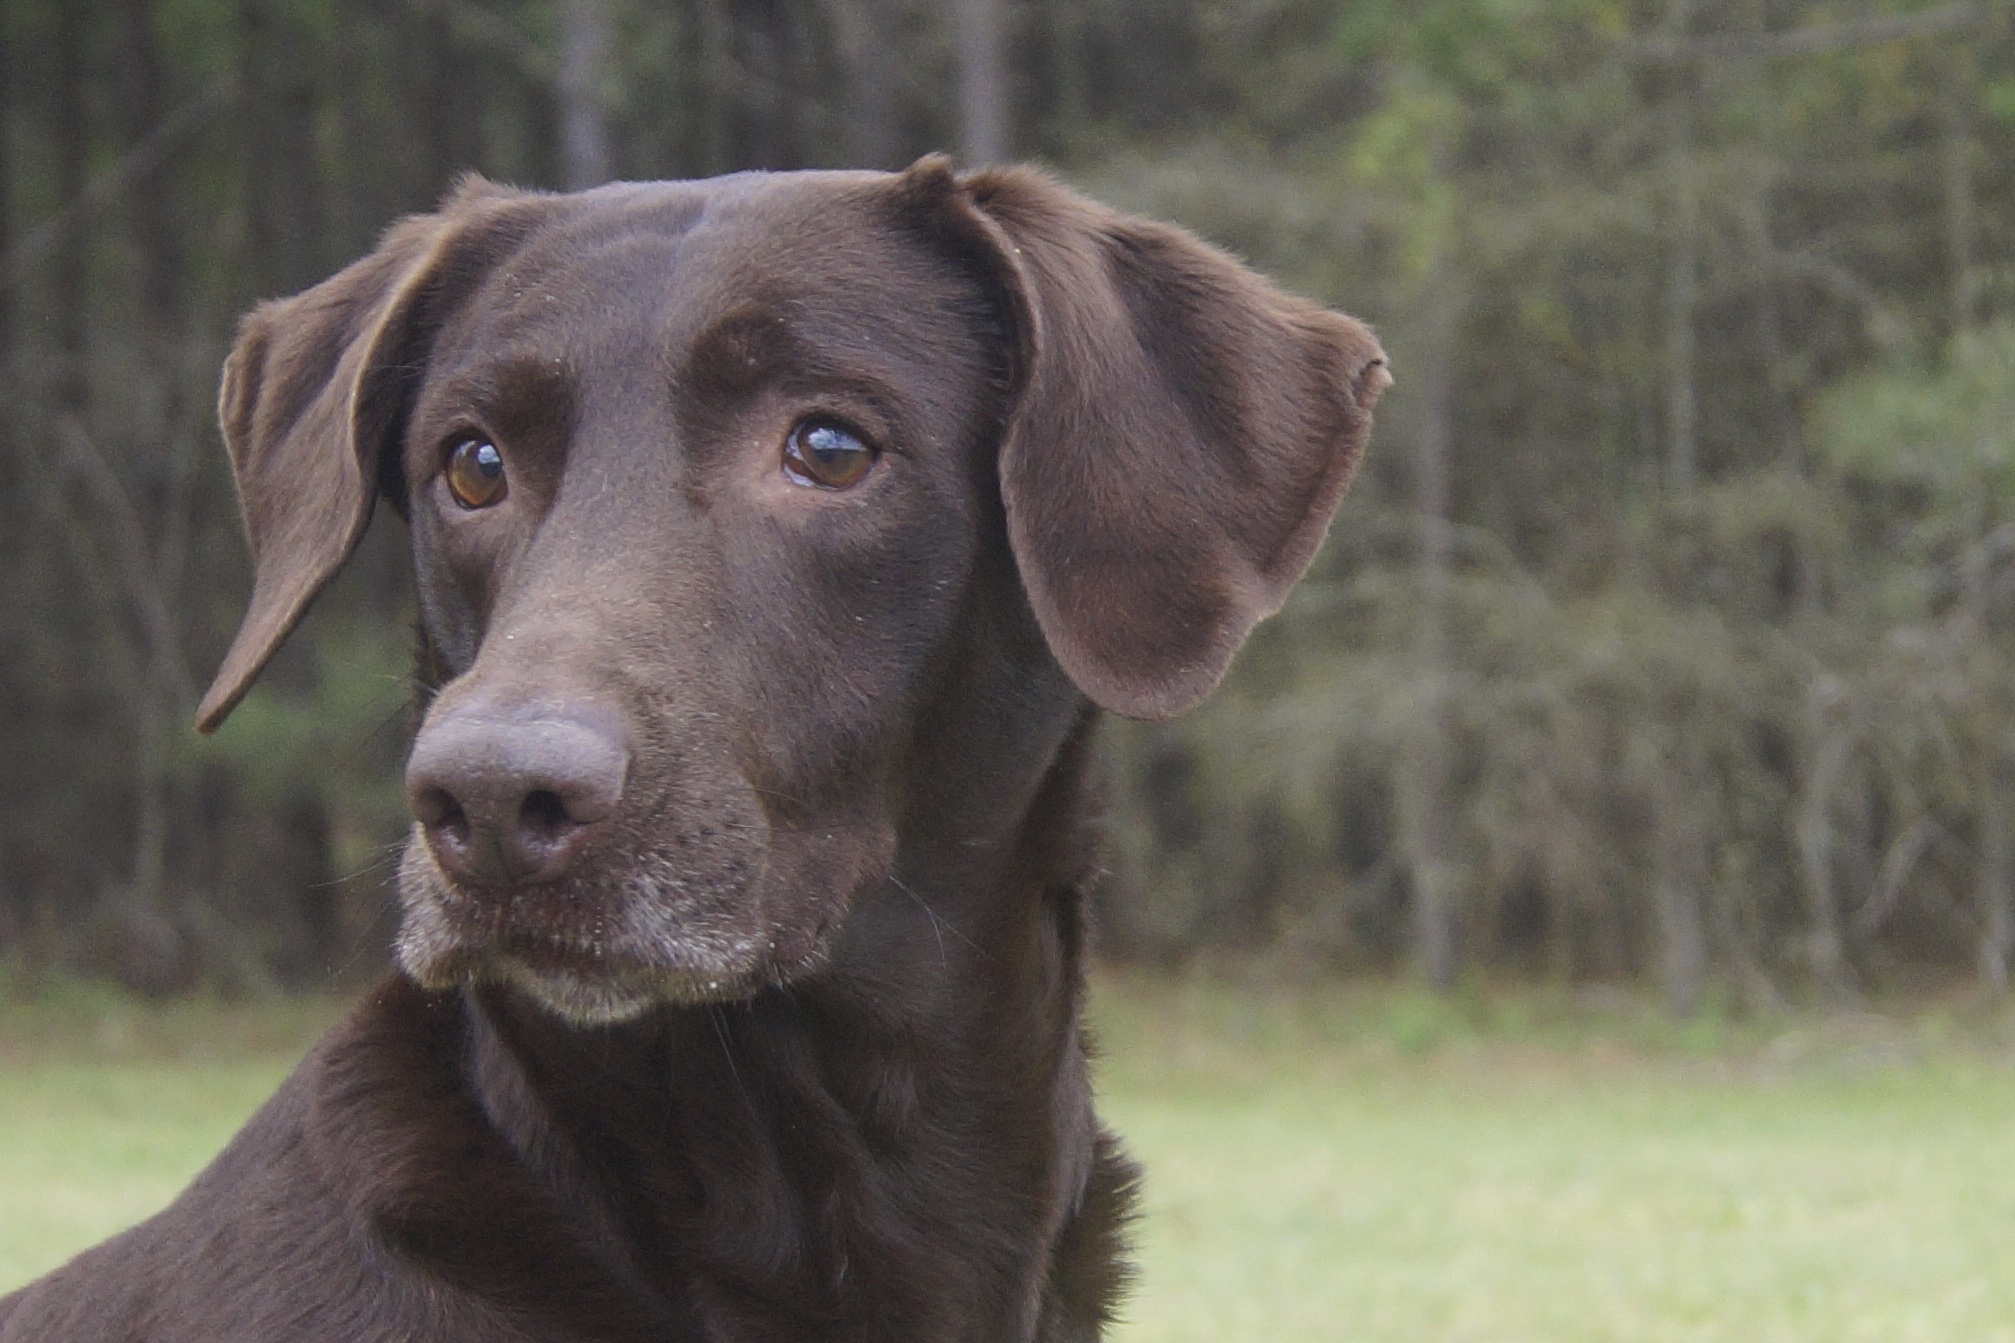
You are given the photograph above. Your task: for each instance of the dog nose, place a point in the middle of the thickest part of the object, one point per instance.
(514, 796)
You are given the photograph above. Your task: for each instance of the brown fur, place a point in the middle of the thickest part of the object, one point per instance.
(790, 1045)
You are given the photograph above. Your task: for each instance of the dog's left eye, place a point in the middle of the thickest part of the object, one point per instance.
(826, 455)
(475, 471)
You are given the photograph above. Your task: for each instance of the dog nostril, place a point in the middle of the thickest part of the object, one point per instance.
(436, 809)
(518, 796)
(543, 815)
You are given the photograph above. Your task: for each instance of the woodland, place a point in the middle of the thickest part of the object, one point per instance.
(1665, 639)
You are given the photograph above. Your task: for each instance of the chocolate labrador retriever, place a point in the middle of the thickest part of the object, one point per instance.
(777, 539)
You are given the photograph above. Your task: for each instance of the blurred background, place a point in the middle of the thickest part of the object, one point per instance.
(1585, 914)
(1664, 641)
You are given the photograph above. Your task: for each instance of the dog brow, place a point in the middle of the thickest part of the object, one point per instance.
(741, 350)
(518, 391)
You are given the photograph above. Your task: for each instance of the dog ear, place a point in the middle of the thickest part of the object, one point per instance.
(1180, 435)
(312, 393)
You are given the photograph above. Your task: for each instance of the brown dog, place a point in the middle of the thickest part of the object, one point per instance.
(775, 538)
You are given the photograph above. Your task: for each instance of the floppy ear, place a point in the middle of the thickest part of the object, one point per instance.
(311, 394)
(1181, 434)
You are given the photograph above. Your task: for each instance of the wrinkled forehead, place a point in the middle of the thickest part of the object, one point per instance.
(649, 271)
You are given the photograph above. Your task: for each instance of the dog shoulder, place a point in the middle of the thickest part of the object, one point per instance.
(157, 1281)
(267, 1243)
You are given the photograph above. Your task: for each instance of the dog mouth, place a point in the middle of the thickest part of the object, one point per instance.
(694, 914)
(591, 956)
(590, 990)
(589, 986)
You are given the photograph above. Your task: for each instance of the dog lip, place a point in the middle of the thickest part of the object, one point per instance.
(529, 945)
(473, 952)
(557, 971)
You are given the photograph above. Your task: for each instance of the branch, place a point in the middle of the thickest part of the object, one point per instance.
(1897, 863)
(499, 34)
(142, 580)
(142, 159)
(1937, 22)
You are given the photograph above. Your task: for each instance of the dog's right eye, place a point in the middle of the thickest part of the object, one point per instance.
(475, 473)
(825, 454)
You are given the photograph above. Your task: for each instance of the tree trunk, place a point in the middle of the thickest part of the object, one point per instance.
(1680, 875)
(717, 56)
(984, 135)
(585, 38)
(8, 62)
(69, 392)
(152, 228)
(15, 521)
(1681, 268)
(865, 39)
(1955, 138)
(1426, 781)
(283, 185)
(1994, 878)
(1825, 760)
(446, 146)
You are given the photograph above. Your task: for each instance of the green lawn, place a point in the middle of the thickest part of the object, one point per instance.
(108, 1107)
(1342, 1174)
(1340, 1165)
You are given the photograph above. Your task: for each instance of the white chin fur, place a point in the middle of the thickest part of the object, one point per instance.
(657, 960)
(575, 998)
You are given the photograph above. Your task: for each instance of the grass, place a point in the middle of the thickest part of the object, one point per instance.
(1332, 1164)
(1384, 1168)
(108, 1106)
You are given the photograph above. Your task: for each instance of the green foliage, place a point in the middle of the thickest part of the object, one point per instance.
(343, 731)
(1702, 309)
(1748, 734)
(1949, 428)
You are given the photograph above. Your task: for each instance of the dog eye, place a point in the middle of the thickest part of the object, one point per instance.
(822, 454)
(475, 473)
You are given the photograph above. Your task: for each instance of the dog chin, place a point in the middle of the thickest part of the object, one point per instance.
(581, 993)
(591, 1000)
(583, 984)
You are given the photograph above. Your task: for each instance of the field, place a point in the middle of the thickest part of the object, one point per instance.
(1337, 1165)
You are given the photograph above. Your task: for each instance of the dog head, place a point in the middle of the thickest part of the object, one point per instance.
(706, 482)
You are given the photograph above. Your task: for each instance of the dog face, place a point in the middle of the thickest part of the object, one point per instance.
(705, 483)
(737, 511)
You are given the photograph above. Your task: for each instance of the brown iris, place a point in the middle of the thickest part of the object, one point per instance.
(827, 455)
(475, 473)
